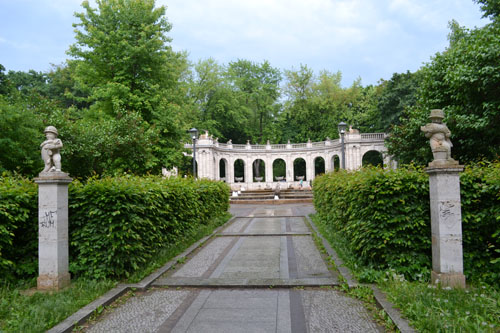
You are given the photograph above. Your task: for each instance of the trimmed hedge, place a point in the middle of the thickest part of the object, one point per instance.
(116, 224)
(385, 219)
(18, 226)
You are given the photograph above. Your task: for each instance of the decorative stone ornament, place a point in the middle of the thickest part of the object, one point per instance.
(50, 150)
(439, 139)
(445, 206)
(52, 183)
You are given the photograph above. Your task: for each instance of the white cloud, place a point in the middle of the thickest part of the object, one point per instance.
(367, 38)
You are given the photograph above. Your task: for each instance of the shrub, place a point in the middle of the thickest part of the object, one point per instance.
(384, 215)
(115, 223)
(18, 226)
(119, 223)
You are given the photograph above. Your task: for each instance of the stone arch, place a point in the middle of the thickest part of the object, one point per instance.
(335, 162)
(319, 165)
(279, 169)
(299, 168)
(239, 170)
(223, 171)
(258, 170)
(373, 157)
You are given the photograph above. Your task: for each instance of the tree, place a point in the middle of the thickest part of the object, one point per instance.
(491, 8)
(398, 93)
(216, 105)
(123, 61)
(258, 87)
(123, 57)
(20, 135)
(463, 80)
(4, 85)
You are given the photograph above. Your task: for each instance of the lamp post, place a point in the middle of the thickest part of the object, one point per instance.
(342, 127)
(194, 136)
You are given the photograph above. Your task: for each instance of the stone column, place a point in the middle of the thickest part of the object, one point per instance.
(269, 170)
(309, 168)
(53, 230)
(289, 169)
(248, 171)
(446, 225)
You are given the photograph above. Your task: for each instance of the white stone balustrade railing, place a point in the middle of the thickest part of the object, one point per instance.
(372, 136)
(308, 145)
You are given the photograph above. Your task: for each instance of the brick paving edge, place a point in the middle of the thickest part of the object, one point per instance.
(380, 298)
(81, 316)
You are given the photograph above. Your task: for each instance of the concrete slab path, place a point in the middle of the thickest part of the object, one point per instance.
(262, 273)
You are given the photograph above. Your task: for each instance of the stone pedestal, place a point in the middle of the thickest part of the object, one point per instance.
(53, 230)
(446, 225)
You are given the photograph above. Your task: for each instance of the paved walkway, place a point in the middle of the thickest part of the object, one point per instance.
(262, 273)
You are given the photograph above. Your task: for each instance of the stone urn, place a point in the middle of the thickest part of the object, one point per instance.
(279, 178)
(238, 179)
(299, 178)
(259, 179)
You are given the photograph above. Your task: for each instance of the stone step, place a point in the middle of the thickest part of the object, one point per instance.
(246, 283)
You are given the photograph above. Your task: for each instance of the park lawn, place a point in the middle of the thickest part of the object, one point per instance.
(23, 309)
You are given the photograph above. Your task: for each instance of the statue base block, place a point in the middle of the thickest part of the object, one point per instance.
(53, 282)
(454, 280)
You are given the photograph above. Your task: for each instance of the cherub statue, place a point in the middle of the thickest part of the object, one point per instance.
(439, 138)
(50, 150)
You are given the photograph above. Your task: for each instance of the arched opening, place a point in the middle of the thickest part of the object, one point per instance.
(279, 170)
(299, 169)
(374, 158)
(336, 162)
(222, 169)
(319, 166)
(239, 171)
(259, 170)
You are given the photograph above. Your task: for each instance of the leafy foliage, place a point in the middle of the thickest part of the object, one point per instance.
(397, 94)
(18, 227)
(123, 54)
(384, 216)
(463, 80)
(116, 224)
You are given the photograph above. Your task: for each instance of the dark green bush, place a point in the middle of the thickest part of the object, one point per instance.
(116, 224)
(18, 227)
(384, 215)
(480, 195)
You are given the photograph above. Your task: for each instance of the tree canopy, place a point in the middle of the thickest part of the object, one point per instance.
(124, 99)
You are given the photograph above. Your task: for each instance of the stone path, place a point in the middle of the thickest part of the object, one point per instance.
(262, 273)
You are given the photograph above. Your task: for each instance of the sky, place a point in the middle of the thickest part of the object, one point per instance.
(367, 39)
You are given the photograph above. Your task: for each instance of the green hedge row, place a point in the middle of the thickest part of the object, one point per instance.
(18, 226)
(116, 224)
(385, 219)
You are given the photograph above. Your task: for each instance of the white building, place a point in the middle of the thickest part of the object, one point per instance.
(219, 161)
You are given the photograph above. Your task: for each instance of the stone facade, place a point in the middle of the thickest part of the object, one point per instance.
(210, 153)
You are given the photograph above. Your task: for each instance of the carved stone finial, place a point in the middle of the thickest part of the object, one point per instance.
(439, 139)
(50, 150)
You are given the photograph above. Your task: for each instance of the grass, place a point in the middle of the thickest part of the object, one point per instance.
(429, 308)
(40, 311)
(21, 311)
(434, 309)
